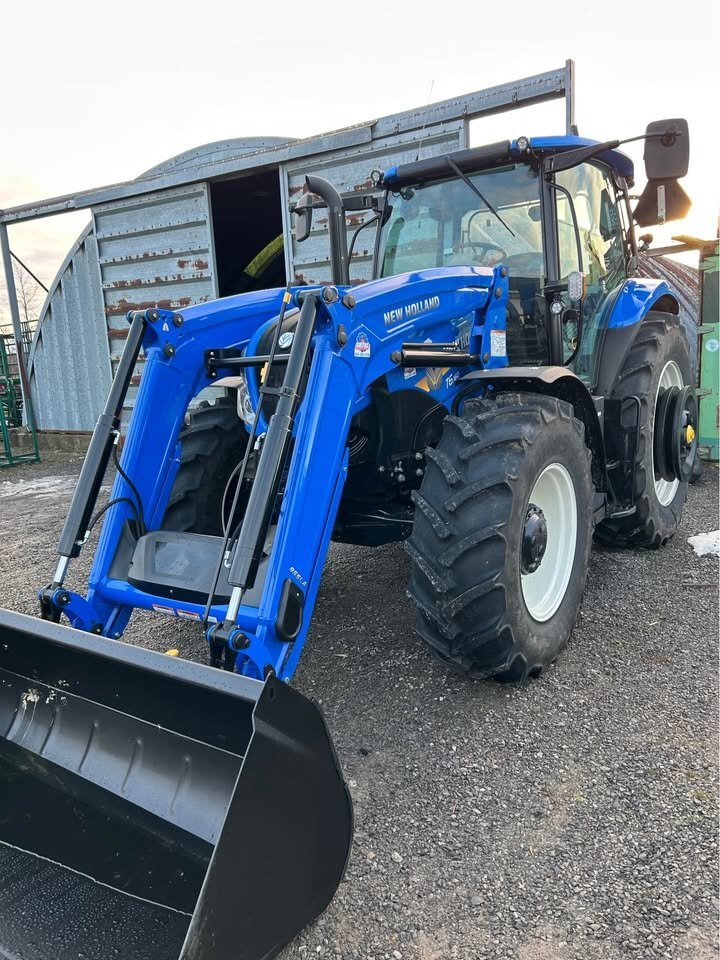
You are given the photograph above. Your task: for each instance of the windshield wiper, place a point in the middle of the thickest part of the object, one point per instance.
(477, 193)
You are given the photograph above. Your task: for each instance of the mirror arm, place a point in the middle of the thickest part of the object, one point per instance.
(571, 158)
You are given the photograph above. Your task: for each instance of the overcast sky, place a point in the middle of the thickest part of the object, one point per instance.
(95, 93)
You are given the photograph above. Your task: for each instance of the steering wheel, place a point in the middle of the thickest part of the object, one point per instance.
(484, 246)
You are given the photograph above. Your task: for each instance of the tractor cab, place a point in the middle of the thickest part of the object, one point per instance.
(554, 210)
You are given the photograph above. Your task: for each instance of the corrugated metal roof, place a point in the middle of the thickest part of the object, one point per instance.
(681, 277)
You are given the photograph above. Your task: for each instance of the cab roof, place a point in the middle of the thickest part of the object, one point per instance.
(505, 151)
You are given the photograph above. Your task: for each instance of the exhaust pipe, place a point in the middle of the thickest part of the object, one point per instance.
(157, 809)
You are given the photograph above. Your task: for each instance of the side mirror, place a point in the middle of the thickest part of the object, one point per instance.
(667, 155)
(667, 150)
(303, 217)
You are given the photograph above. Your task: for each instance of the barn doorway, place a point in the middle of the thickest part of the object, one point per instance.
(248, 233)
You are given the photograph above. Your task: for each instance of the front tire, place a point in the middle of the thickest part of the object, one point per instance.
(500, 472)
(212, 445)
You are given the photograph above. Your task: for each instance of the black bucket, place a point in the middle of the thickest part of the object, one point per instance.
(157, 809)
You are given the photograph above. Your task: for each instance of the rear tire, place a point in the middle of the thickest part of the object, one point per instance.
(213, 443)
(659, 355)
(471, 515)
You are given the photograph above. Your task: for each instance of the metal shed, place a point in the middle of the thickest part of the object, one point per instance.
(191, 229)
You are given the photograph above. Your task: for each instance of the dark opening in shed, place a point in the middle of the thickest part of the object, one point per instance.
(248, 232)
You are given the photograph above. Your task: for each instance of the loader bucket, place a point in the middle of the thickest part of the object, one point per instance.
(157, 809)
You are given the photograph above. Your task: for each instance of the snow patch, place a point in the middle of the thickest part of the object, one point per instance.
(42, 488)
(706, 543)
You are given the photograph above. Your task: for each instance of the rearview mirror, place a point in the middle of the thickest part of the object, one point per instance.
(303, 217)
(667, 155)
(667, 150)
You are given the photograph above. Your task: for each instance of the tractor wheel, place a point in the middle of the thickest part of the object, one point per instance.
(502, 536)
(213, 443)
(658, 361)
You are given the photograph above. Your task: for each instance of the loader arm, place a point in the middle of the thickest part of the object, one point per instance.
(359, 334)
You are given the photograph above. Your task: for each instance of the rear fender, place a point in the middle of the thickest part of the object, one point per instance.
(630, 307)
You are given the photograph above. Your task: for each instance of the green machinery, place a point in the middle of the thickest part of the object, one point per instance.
(13, 444)
(709, 351)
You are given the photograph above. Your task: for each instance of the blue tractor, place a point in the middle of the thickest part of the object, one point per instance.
(502, 391)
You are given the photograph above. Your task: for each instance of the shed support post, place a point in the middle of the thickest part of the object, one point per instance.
(570, 127)
(29, 415)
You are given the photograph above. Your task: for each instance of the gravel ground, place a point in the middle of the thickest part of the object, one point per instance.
(572, 818)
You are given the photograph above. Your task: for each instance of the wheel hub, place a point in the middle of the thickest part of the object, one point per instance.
(675, 435)
(534, 539)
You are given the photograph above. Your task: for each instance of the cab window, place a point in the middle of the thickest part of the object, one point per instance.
(602, 253)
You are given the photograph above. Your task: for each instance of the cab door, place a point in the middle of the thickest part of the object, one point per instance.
(593, 241)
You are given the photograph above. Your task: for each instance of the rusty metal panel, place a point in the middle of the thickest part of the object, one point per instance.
(69, 363)
(349, 170)
(153, 251)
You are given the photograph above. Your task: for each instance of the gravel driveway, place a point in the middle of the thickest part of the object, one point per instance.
(572, 818)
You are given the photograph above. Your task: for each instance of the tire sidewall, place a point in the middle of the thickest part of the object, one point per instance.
(542, 640)
(672, 347)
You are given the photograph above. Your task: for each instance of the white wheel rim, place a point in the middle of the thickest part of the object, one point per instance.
(671, 376)
(544, 589)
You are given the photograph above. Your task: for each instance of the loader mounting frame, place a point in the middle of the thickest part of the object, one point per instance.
(353, 339)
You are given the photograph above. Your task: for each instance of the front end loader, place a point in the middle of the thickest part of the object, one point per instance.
(499, 393)
(156, 809)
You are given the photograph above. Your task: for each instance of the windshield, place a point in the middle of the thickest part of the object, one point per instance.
(446, 223)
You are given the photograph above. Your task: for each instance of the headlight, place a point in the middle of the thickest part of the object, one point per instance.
(244, 404)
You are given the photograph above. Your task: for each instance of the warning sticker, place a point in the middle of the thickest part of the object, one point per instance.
(159, 608)
(497, 343)
(188, 615)
(362, 346)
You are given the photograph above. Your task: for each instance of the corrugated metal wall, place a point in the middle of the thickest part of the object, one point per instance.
(349, 170)
(70, 372)
(153, 251)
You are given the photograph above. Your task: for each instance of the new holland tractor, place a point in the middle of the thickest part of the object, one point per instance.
(502, 391)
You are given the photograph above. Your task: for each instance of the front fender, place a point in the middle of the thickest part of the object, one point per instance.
(631, 304)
